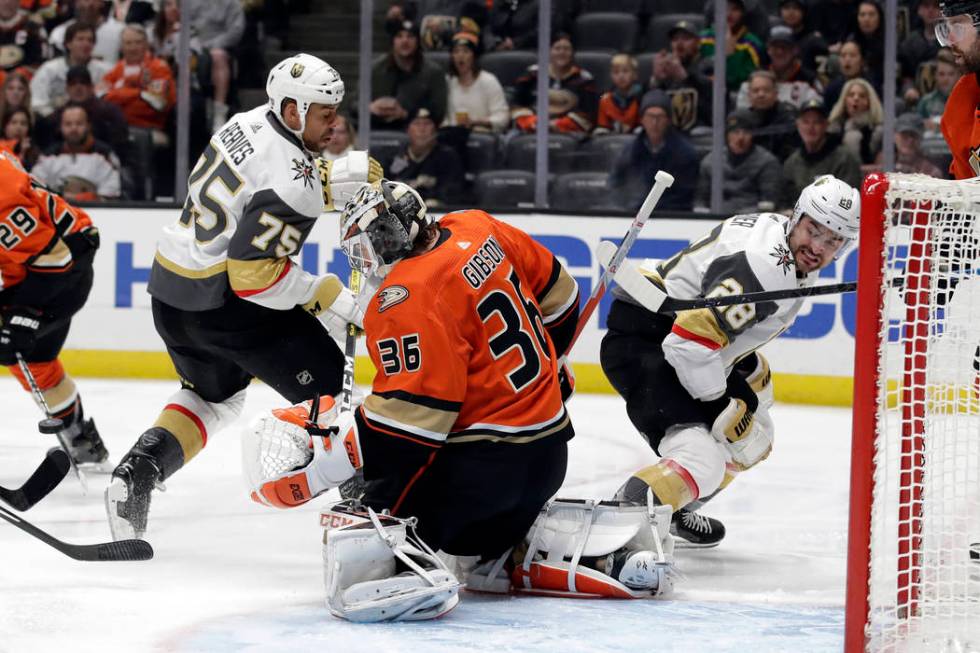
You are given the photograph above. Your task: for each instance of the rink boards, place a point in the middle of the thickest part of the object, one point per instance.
(114, 336)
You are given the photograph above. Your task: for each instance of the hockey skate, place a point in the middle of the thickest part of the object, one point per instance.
(127, 499)
(87, 449)
(694, 531)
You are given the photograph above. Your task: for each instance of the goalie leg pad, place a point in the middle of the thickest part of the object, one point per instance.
(568, 533)
(361, 570)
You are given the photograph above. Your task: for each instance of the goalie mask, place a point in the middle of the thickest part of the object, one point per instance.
(832, 203)
(306, 80)
(379, 225)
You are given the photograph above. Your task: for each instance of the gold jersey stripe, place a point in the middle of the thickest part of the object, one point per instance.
(324, 295)
(404, 412)
(189, 273)
(508, 438)
(58, 257)
(701, 322)
(560, 293)
(255, 275)
(184, 429)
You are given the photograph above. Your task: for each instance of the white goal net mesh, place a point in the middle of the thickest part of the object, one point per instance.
(924, 584)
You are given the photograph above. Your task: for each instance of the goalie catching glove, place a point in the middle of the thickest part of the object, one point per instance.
(342, 177)
(286, 466)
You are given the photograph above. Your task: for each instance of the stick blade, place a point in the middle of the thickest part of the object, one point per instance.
(48, 475)
(124, 551)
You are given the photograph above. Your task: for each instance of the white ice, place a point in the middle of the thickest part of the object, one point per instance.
(232, 575)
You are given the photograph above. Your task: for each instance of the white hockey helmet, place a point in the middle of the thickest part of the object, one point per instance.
(306, 80)
(832, 203)
(380, 224)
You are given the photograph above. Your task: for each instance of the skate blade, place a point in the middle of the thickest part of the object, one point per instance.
(684, 544)
(104, 467)
(115, 494)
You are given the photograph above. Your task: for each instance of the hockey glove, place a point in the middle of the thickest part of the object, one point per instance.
(747, 434)
(19, 327)
(329, 460)
(341, 178)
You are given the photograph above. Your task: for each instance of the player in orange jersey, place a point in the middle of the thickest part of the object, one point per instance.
(961, 119)
(46, 252)
(465, 428)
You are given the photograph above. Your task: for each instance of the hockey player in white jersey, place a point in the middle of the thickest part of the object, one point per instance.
(227, 298)
(694, 383)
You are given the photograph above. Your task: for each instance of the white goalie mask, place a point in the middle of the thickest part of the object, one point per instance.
(380, 224)
(306, 80)
(832, 203)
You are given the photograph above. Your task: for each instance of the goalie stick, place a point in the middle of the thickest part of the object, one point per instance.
(662, 181)
(45, 478)
(353, 488)
(50, 425)
(106, 552)
(652, 298)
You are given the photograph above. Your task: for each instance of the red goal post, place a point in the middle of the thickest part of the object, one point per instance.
(912, 583)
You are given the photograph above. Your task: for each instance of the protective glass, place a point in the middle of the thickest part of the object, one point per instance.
(950, 31)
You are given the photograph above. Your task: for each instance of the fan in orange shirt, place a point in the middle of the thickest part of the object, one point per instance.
(46, 252)
(140, 84)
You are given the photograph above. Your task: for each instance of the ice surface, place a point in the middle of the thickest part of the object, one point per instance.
(232, 575)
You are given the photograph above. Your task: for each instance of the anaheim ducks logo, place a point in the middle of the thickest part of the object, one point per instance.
(297, 69)
(391, 296)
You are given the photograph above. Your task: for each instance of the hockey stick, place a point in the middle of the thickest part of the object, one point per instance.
(45, 478)
(107, 552)
(50, 425)
(652, 298)
(662, 181)
(352, 488)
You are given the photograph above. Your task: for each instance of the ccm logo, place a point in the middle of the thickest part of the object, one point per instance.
(332, 520)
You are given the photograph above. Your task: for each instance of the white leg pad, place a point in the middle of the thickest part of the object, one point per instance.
(361, 552)
(694, 449)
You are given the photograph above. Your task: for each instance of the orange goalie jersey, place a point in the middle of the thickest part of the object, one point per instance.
(961, 127)
(464, 340)
(33, 221)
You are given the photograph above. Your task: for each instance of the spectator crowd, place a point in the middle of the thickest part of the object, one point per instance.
(454, 102)
(88, 96)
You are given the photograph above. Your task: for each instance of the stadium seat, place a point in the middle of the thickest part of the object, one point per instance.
(520, 152)
(481, 152)
(599, 153)
(507, 66)
(596, 63)
(438, 57)
(605, 30)
(619, 6)
(644, 71)
(384, 145)
(505, 188)
(657, 7)
(657, 38)
(581, 191)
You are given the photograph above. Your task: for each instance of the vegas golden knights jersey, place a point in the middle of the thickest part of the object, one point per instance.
(744, 254)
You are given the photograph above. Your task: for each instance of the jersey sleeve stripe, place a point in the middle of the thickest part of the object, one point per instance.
(552, 279)
(422, 400)
(55, 258)
(406, 432)
(248, 278)
(700, 326)
(563, 294)
(431, 423)
(188, 273)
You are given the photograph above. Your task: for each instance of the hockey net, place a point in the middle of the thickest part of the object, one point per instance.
(915, 470)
